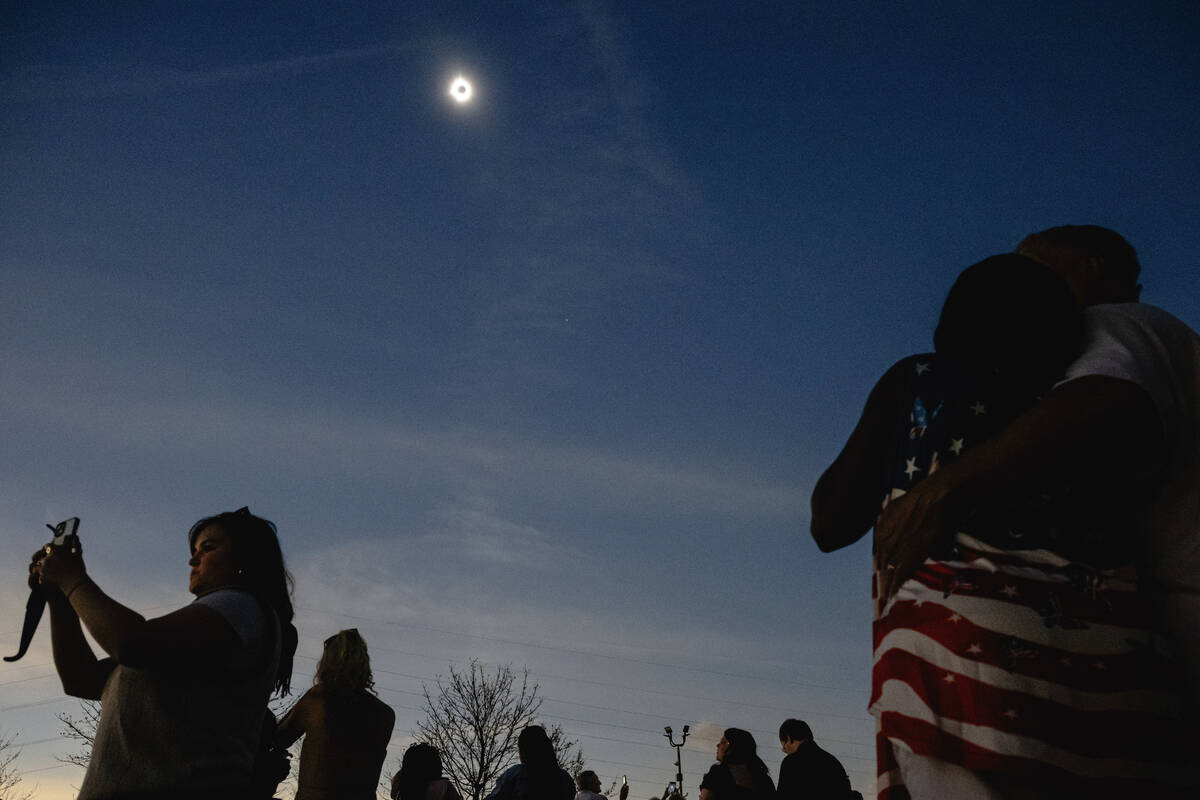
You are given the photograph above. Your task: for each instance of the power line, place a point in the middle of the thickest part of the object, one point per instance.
(423, 679)
(604, 684)
(575, 651)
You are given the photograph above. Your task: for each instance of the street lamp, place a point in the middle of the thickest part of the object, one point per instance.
(679, 794)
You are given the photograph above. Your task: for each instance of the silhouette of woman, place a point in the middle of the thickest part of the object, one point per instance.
(346, 728)
(182, 696)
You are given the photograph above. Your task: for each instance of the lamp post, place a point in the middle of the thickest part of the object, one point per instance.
(679, 794)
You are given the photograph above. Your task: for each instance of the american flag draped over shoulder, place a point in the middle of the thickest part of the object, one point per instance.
(1024, 648)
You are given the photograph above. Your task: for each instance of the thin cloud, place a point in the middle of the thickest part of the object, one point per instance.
(208, 425)
(51, 82)
(481, 536)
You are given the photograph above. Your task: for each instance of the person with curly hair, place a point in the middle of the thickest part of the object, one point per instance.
(346, 728)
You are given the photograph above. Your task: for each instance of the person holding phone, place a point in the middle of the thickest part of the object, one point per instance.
(182, 696)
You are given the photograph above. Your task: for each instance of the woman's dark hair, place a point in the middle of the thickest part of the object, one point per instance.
(1011, 315)
(541, 764)
(260, 571)
(742, 750)
(421, 764)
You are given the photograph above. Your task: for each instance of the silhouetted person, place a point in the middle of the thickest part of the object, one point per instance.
(589, 787)
(346, 728)
(1029, 579)
(420, 776)
(538, 776)
(1133, 353)
(182, 697)
(739, 773)
(808, 772)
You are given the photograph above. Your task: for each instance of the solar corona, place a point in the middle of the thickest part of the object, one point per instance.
(461, 90)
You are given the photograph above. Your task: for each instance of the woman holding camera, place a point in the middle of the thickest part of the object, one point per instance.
(183, 696)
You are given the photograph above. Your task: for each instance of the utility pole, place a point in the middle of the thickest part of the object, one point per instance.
(679, 793)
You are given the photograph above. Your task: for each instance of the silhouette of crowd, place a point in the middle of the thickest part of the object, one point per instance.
(1034, 489)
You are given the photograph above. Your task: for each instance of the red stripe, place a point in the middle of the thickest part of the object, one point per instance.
(1129, 734)
(1110, 607)
(1137, 666)
(1026, 558)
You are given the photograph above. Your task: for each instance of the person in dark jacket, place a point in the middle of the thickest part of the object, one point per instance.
(807, 771)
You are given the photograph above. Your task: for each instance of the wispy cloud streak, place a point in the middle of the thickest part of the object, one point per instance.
(52, 82)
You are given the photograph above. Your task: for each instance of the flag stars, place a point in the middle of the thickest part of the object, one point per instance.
(975, 649)
(922, 368)
(956, 617)
(949, 677)
(1066, 662)
(1011, 713)
(911, 468)
(978, 409)
(956, 446)
(1010, 591)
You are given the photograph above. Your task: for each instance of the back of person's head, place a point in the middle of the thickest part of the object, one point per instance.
(1098, 263)
(421, 764)
(1011, 315)
(742, 749)
(795, 729)
(260, 571)
(535, 749)
(588, 781)
(345, 666)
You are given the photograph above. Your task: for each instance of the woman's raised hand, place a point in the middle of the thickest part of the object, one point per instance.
(58, 567)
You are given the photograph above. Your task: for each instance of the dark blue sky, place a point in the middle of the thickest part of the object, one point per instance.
(558, 367)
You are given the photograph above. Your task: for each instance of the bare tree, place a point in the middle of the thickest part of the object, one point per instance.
(568, 751)
(81, 729)
(10, 778)
(473, 719)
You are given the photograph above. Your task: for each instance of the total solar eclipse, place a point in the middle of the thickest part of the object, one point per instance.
(461, 90)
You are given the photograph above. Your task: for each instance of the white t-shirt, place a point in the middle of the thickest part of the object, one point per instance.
(1147, 346)
(187, 734)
